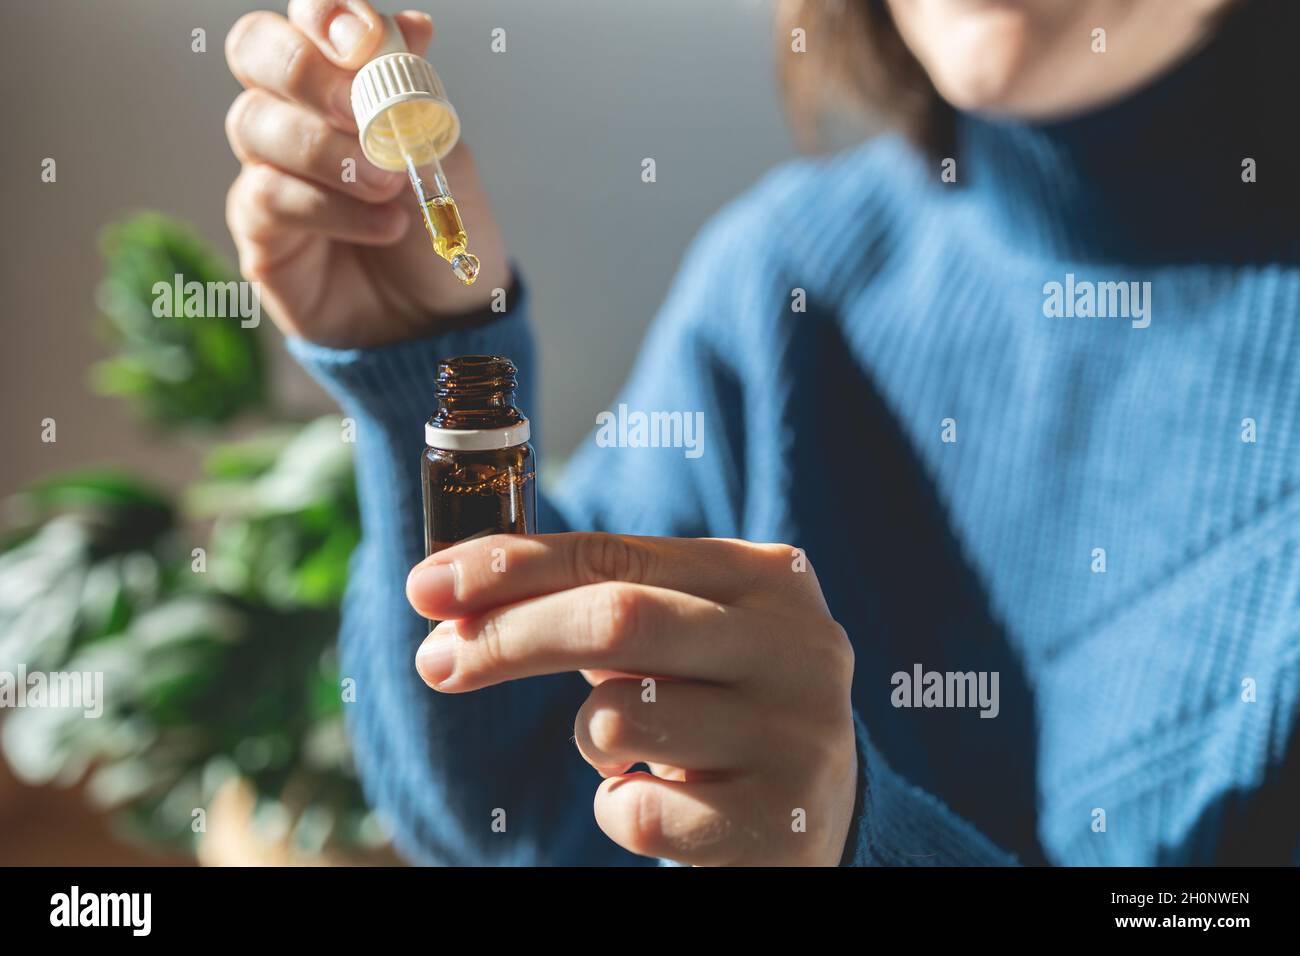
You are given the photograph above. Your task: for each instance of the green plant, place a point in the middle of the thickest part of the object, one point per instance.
(177, 368)
(217, 658)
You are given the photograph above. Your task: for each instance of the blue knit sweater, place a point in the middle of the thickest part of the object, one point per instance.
(996, 462)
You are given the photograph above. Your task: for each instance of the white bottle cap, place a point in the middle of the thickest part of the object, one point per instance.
(395, 76)
(476, 439)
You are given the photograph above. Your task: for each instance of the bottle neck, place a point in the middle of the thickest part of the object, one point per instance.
(476, 393)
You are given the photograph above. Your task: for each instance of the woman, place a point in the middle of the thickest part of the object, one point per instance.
(1020, 385)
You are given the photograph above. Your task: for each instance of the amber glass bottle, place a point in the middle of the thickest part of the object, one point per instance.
(478, 471)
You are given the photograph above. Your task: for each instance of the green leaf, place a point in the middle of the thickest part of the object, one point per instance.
(177, 365)
(122, 513)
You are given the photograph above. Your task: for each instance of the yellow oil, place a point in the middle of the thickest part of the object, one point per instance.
(414, 137)
(442, 219)
(447, 232)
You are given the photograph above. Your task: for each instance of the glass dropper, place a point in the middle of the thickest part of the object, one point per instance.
(437, 207)
(405, 122)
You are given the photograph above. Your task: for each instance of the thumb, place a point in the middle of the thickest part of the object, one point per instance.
(417, 29)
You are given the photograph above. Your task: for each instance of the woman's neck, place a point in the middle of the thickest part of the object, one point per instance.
(1166, 173)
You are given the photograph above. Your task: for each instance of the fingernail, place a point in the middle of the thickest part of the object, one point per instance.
(436, 658)
(346, 31)
(428, 19)
(433, 587)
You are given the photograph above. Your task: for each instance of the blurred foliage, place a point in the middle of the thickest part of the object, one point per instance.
(217, 659)
(177, 369)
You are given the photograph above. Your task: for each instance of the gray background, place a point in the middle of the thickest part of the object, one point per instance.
(560, 124)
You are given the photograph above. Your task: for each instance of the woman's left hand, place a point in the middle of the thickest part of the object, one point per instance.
(714, 662)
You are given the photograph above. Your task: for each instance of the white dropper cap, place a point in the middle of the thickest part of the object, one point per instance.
(397, 76)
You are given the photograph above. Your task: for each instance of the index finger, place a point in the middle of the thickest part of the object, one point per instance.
(296, 60)
(487, 572)
(265, 51)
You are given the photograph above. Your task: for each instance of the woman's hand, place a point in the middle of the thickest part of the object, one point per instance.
(346, 264)
(714, 662)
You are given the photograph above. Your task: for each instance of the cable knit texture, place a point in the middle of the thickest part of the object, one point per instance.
(1162, 692)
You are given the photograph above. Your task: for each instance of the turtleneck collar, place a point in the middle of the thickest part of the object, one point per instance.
(1158, 176)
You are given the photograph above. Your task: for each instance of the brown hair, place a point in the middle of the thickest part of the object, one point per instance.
(855, 53)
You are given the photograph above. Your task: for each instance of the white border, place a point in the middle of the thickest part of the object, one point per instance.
(476, 439)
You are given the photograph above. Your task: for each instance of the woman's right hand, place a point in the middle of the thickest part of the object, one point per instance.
(344, 264)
